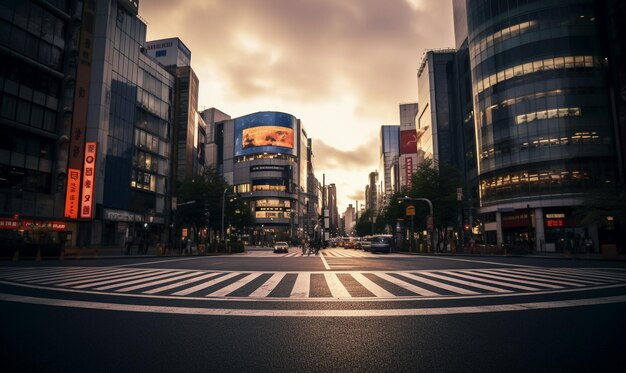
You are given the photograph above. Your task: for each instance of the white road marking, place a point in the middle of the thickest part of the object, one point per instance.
(182, 283)
(493, 282)
(301, 286)
(136, 280)
(82, 276)
(440, 285)
(508, 274)
(476, 261)
(144, 285)
(207, 284)
(335, 286)
(466, 283)
(234, 286)
(410, 287)
(484, 273)
(163, 261)
(313, 313)
(109, 279)
(268, 286)
(325, 262)
(547, 274)
(372, 286)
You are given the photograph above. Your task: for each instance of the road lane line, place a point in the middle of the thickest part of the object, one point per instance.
(371, 286)
(207, 284)
(403, 312)
(336, 287)
(182, 283)
(235, 285)
(302, 286)
(325, 262)
(410, 287)
(269, 285)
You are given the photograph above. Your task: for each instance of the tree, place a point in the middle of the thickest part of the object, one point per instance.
(603, 204)
(365, 225)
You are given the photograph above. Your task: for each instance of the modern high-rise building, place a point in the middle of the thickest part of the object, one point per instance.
(333, 213)
(388, 157)
(371, 197)
(434, 88)
(349, 217)
(544, 123)
(264, 156)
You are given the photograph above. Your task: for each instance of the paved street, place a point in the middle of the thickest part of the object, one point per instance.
(342, 310)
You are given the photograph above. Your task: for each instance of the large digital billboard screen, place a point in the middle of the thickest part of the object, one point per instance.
(265, 132)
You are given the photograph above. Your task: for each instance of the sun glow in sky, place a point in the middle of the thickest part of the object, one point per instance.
(342, 67)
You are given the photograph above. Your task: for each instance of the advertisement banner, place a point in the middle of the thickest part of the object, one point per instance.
(408, 142)
(72, 193)
(265, 132)
(89, 171)
(408, 171)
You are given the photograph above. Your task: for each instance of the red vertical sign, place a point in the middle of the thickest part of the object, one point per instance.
(89, 170)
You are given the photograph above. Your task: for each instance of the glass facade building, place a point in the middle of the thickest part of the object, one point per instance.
(543, 121)
(389, 153)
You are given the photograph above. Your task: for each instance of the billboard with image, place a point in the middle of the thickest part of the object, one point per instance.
(265, 132)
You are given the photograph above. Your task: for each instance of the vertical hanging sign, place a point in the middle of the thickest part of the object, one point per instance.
(79, 117)
(89, 170)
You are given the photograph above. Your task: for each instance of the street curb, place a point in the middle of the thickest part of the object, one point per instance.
(561, 257)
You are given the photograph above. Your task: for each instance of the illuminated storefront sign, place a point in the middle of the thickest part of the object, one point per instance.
(408, 169)
(72, 193)
(89, 170)
(26, 224)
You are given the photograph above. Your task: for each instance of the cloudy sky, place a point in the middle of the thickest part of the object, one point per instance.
(341, 66)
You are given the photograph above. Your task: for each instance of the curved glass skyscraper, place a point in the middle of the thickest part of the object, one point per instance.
(543, 115)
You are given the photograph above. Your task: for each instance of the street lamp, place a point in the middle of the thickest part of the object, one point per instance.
(430, 205)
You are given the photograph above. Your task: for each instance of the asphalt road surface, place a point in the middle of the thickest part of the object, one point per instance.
(343, 310)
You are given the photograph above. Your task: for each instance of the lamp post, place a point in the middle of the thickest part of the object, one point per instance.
(223, 208)
(430, 205)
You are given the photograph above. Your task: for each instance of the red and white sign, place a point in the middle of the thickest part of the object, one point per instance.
(32, 224)
(89, 175)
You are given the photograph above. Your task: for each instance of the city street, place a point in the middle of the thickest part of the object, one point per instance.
(343, 310)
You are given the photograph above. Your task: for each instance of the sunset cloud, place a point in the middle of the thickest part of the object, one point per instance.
(340, 66)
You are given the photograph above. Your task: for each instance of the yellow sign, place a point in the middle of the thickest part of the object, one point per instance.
(410, 211)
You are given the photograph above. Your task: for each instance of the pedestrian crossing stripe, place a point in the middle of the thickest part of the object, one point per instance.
(300, 285)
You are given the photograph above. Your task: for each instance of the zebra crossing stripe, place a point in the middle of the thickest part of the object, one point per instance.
(81, 280)
(207, 284)
(136, 280)
(157, 282)
(410, 287)
(269, 285)
(440, 285)
(552, 275)
(371, 286)
(183, 283)
(493, 282)
(112, 280)
(596, 274)
(462, 282)
(302, 286)
(40, 274)
(503, 277)
(234, 286)
(82, 276)
(522, 276)
(335, 286)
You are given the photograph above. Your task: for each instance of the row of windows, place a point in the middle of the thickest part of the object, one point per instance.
(21, 79)
(145, 140)
(554, 180)
(28, 113)
(547, 64)
(272, 203)
(35, 20)
(538, 26)
(24, 180)
(577, 138)
(547, 114)
(30, 45)
(269, 188)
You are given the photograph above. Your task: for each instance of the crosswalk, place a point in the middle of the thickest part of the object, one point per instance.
(312, 285)
(328, 253)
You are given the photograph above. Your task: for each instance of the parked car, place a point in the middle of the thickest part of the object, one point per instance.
(281, 247)
(382, 242)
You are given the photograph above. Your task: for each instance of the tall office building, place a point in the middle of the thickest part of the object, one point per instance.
(39, 54)
(349, 217)
(189, 130)
(388, 157)
(210, 117)
(371, 197)
(434, 88)
(545, 133)
(333, 213)
(264, 156)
